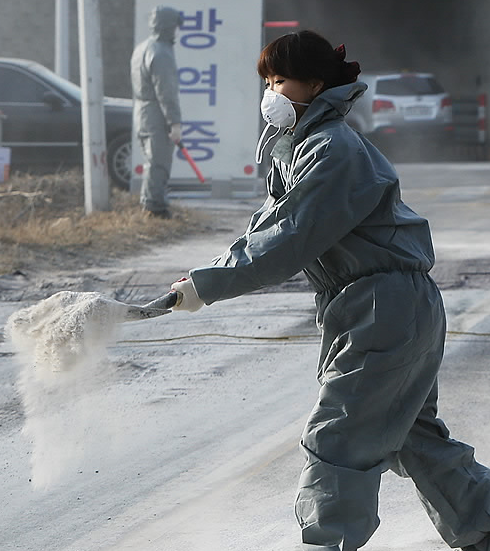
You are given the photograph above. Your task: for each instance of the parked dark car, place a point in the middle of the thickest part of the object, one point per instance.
(43, 123)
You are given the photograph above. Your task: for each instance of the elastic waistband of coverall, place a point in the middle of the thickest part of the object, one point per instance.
(336, 289)
(325, 296)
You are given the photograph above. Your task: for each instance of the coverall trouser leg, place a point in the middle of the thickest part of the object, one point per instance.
(158, 151)
(452, 486)
(376, 406)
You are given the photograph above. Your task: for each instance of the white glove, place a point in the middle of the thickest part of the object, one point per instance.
(175, 133)
(188, 298)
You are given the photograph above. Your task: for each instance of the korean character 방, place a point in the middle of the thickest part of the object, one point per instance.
(204, 22)
(193, 81)
(198, 138)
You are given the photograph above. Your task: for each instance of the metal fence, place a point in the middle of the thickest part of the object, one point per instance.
(470, 128)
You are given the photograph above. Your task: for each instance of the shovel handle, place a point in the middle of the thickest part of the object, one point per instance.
(165, 302)
(153, 309)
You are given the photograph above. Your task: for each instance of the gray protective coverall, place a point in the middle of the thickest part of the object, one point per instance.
(334, 210)
(155, 83)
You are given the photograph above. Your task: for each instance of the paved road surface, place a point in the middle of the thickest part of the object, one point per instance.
(192, 441)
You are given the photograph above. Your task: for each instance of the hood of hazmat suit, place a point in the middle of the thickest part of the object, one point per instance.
(163, 21)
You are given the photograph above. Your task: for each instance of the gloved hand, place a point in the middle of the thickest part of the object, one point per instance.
(188, 298)
(175, 133)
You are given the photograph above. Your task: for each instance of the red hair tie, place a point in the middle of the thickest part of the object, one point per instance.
(340, 50)
(351, 68)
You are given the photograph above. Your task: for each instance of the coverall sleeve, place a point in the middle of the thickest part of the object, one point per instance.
(165, 79)
(332, 191)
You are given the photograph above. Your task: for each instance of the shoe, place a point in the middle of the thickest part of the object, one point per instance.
(165, 214)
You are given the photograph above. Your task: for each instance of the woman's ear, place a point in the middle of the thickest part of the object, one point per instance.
(316, 86)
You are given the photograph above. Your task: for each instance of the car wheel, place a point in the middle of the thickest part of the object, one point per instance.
(119, 160)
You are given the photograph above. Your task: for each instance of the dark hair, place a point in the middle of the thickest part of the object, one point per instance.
(304, 56)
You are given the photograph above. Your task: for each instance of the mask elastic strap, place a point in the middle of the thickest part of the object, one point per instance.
(259, 151)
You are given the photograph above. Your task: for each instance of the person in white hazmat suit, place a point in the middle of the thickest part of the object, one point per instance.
(156, 111)
(334, 211)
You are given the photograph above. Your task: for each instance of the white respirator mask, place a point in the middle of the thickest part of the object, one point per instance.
(278, 111)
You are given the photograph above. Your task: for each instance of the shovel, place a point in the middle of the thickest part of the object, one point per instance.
(66, 314)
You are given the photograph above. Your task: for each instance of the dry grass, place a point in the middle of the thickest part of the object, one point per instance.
(43, 225)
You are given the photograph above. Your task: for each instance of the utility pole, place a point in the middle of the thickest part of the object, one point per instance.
(62, 39)
(93, 120)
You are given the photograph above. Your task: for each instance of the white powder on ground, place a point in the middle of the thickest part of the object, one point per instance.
(61, 343)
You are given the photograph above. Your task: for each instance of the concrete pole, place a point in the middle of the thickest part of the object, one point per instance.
(93, 120)
(62, 39)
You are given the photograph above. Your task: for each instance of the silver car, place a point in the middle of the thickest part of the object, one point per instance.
(402, 104)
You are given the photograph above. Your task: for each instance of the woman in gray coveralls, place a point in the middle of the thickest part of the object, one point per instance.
(334, 211)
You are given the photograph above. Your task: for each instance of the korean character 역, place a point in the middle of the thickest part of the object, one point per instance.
(193, 81)
(205, 24)
(198, 137)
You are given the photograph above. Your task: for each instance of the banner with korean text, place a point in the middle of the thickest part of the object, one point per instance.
(216, 50)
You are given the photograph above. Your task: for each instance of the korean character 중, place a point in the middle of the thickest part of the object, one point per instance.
(193, 81)
(197, 138)
(199, 22)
